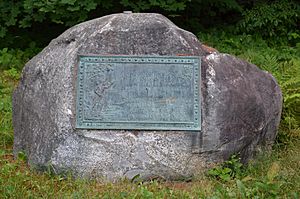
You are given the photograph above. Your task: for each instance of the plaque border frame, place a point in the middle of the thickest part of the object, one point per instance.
(138, 125)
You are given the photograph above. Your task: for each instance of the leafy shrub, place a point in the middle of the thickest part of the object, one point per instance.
(229, 170)
(24, 13)
(16, 17)
(272, 19)
(167, 5)
(290, 85)
(16, 58)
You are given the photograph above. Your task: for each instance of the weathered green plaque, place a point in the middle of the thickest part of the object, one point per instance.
(138, 92)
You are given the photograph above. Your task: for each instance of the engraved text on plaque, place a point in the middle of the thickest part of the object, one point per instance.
(138, 92)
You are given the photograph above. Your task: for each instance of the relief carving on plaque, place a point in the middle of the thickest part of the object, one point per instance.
(137, 92)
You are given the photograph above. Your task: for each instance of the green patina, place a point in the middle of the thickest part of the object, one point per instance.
(138, 92)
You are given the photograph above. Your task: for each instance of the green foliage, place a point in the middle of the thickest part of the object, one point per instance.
(202, 14)
(22, 156)
(272, 19)
(290, 85)
(267, 189)
(268, 185)
(229, 170)
(268, 176)
(34, 20)
(167, 5)
(23, 13)
(6, 134)
(16, 58)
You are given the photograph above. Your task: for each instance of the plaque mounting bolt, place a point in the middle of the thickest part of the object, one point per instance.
(127, 12)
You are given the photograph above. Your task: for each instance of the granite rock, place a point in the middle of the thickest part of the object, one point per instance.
(241, 105)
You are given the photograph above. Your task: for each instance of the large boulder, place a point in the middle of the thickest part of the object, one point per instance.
(240, 105)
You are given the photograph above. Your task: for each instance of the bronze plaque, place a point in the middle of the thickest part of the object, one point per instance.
(138, 92)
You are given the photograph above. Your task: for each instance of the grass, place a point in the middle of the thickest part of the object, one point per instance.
(7, 83)
(270, 175)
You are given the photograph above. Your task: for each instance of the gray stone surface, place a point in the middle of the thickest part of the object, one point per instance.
(241, 105)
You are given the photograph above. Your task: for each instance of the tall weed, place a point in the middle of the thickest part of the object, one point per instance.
(277, 20)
